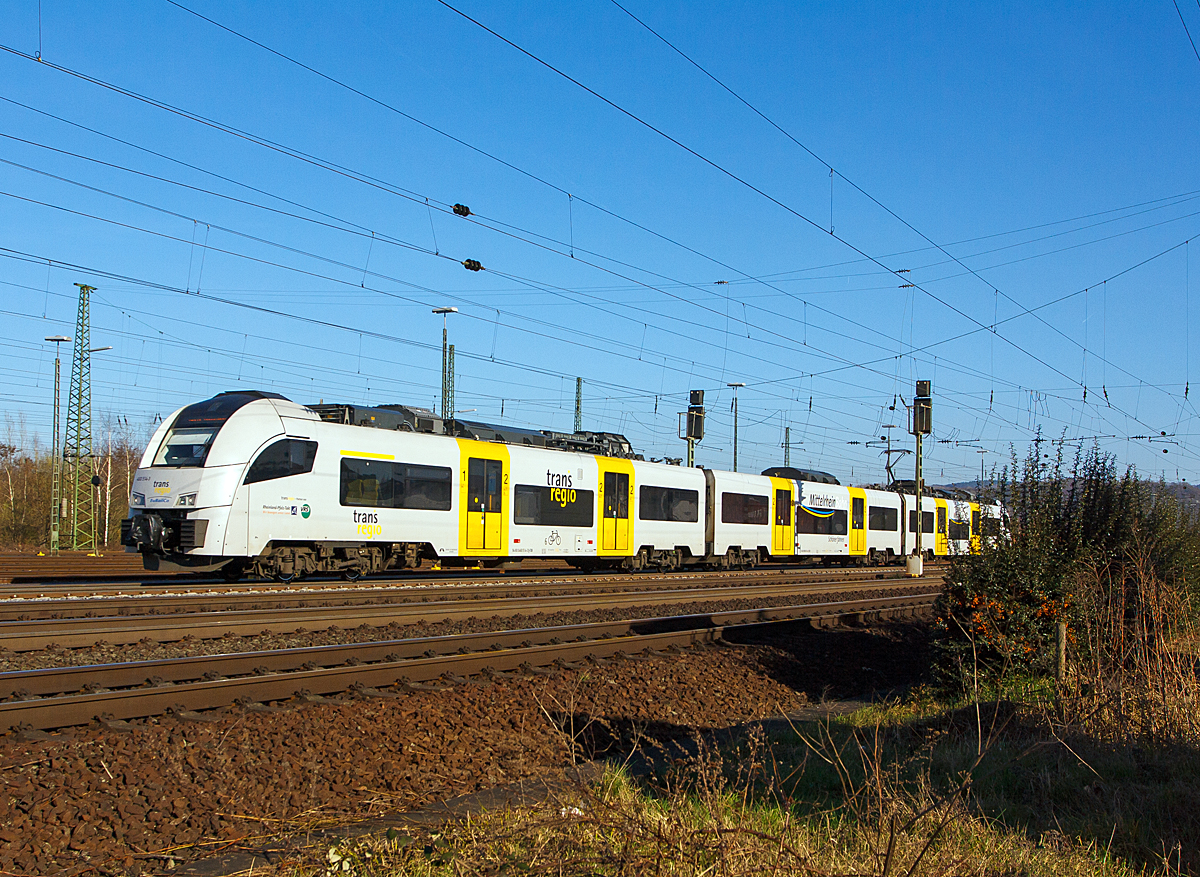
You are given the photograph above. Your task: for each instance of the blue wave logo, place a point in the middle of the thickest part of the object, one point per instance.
(818, 513)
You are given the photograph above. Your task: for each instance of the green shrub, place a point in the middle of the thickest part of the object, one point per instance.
(1087, 545)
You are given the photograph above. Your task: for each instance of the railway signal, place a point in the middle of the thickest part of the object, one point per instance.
(921, 424)
(694, 425)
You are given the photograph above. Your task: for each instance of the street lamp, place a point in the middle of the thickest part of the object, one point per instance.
(735, 420)
(447, 369)
(56, 452)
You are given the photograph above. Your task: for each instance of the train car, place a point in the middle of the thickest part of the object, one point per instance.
(822, 521)
(671, 513)
(750, 518)
(842, 524)
(885, 540)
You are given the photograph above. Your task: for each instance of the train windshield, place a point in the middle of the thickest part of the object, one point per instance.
(192, 433)
(186, 447)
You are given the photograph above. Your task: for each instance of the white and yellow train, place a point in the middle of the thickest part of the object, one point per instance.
(249, 482)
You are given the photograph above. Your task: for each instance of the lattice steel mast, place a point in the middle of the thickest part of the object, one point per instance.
(77, 444)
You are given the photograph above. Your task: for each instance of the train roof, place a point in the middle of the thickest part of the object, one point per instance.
(412, 418)
(801, 474)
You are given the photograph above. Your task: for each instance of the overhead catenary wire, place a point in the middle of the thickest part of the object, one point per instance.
(360, 263)
(746, 183)
(413, 196)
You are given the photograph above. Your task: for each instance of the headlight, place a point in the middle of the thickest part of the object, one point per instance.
(186, 499)
(138, 499)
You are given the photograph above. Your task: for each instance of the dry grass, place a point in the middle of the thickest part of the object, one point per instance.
(896, 796)
(1135, 657)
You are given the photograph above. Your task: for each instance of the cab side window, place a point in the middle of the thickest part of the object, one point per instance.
(281, 459)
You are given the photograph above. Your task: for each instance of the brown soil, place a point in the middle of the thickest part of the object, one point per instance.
(170, 794)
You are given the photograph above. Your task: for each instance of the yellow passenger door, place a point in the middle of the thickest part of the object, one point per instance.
(483, 520)
(941, 543)
(616, 504)
(858, 521)
(783, 531)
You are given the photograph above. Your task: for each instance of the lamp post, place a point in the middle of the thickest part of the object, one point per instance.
(735, 420)
(56, 451)
(447, 369)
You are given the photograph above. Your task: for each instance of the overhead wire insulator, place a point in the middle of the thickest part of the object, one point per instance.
(472, 265)
(461, 210)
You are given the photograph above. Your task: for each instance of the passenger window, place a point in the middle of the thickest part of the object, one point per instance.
(745, 508)
(668, 504)
(883, 518)
(388, 485)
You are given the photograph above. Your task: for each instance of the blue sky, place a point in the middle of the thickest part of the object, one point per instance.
(285, 242)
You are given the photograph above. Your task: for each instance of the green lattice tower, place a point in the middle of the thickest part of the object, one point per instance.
(77, 444)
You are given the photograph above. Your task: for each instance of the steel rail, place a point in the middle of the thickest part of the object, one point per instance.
(187, 684)
(124, 629)
(30, 609)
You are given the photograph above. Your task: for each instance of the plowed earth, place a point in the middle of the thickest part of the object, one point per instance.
(170, 794)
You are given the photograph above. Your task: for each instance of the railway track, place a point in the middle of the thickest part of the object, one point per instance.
(113, 600)
(35, 700)
(116, 566)
(75, 623)
(71, 578)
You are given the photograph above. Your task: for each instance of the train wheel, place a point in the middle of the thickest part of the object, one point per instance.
(232, 571)
(352, 574)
